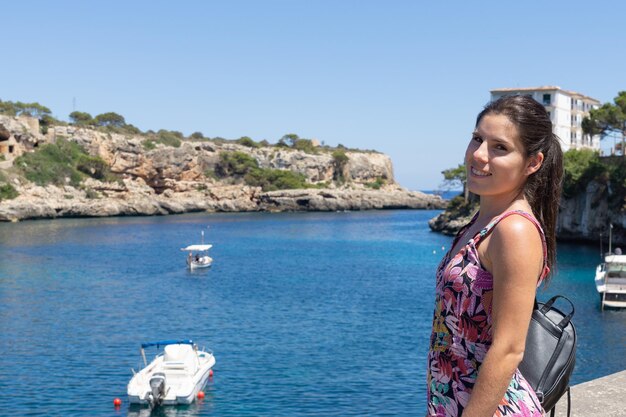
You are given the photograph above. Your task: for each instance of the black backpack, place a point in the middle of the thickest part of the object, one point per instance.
(550, 353)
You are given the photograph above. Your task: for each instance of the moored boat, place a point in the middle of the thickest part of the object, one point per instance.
(198, 257)
(175, 376)
(611, 281)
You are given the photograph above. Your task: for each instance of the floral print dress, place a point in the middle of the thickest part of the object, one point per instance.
(461, 334)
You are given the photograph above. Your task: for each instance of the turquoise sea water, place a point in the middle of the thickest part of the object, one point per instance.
(307, 313)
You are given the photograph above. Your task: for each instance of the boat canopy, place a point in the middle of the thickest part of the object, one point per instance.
(615, 259)
(197, 247)
(167, 342)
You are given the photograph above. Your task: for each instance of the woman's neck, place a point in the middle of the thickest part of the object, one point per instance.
(493, 206)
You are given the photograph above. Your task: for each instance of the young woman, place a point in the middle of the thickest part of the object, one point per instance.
(486, 284)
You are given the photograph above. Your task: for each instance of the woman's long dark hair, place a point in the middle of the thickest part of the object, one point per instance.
(542, 188)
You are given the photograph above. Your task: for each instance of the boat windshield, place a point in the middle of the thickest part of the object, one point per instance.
(616, 270)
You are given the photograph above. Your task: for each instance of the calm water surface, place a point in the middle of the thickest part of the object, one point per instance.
(308, 314)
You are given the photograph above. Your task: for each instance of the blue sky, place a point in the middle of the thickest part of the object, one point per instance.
(406, 78)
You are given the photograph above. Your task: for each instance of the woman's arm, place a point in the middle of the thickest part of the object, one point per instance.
(514, 255)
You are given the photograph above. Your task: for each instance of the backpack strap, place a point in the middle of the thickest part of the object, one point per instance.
(569, 405)
(487, 229)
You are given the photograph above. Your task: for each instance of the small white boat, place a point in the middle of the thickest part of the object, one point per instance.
(198, 256)
(175, 376)
(611, 281)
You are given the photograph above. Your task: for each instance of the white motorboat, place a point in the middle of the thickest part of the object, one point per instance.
(175, 376)
(611, 281)
(198, 256)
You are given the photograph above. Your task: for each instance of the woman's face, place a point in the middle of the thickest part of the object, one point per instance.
(495, 158)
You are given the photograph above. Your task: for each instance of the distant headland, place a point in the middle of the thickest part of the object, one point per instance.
(102, 166)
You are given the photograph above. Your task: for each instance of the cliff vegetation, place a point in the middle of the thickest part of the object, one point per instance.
(101, 166)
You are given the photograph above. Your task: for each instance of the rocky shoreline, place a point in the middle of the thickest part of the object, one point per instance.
(151, 178)
(135, 198)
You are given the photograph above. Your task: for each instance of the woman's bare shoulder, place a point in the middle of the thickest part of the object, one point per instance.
(516, 241)
(516, 230)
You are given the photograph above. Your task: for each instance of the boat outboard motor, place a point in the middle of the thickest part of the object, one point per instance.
(157, 387)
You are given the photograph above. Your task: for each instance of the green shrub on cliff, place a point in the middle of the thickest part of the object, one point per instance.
(94, 166)
(305, 145)
(7, 192)
(166, 137)
(291, 140)
(579, 167)
(340, 160)
(169, 138)
(459, 207)
(51, 164)
(235, 164)
(246, 141)
(376, 184)
(240, 164)
(275, 179)
(60, 162)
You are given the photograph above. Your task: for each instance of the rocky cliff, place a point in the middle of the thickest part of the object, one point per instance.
(167, 179)
(583, 217)
(588, 215)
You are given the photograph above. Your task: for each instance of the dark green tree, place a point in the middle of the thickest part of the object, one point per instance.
(26, 109)
(32, 109)
(80, 118)
(235, 164)
(610, 118)
(453, 178)
(110, 119)
(8, 108)
(247, 141)
(580, 166)
(7, 192)
(340, 160)
(305, 145)
(289, 139)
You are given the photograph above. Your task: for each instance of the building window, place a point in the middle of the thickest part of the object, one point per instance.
(547, 98)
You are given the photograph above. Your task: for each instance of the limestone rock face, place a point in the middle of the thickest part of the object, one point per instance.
(334, 200)
(165, 179)
(4, 133)
(588, 214)
(193, 160)
(20, 125)
(447, 224)
(136, 197)
(583, 217)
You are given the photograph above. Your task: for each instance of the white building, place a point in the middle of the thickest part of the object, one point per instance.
(566, 109)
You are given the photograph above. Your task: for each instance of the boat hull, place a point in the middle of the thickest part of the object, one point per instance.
(182, 385)
(203, 262)
(610, 282)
